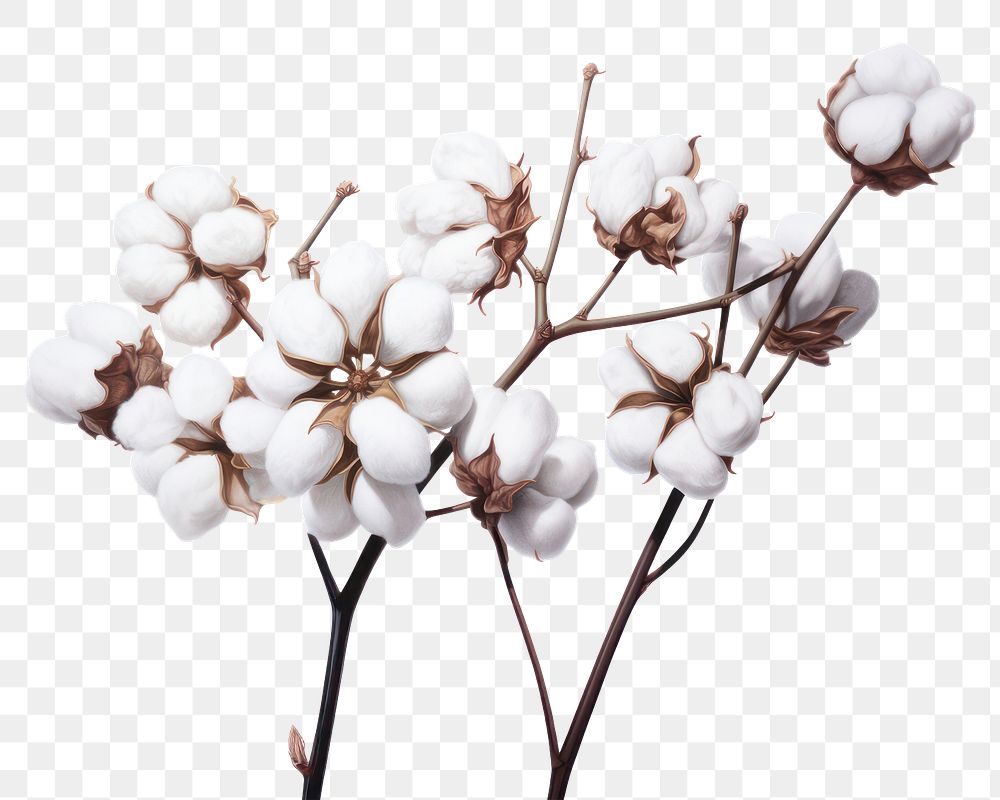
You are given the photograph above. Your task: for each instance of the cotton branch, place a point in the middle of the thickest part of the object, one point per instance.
(440, 512)
(678, 554)
(584, 312)
(244, 312)
(779, 376)
(300, 264)
(738, 215)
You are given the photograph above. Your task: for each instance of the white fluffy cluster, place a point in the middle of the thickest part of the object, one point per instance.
(726, 419)
(456, 259)
(894, 88)
(154, 264)
(61, 381)
(563, 469)
(823, 284)
(626, 177)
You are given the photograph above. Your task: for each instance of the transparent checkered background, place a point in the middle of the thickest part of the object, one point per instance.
(832, 634)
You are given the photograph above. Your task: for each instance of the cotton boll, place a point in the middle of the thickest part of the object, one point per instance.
(260, 487)
(718, 200)
(272, 380)
(671, 155)
(103, 326)
(190, 496)
(231, 236)
(538, 526)
(61, 377)
(417, 318)
(147, 420)
(47, 409)
(200, 387)
(756, 256)
(942, 121)
(247, 424)
(413, 251)
(621, 373)
(587, 491)
(144, 222)
(669, 347)
(873, 126)
(848, 93)
(437, 392)
(694, 213)
(197, 312)
(297, 457)
(567, 466)
(727, 411)
(474, 431)
(472, 158)
(524, 429)
(621, 182)
(898, 68)
(686, 462)
(303, 323)
(148, 273)
(461, 261)
(392, 445)
(326, 512)
(432, 208)
(148, 466)
(818, 282)
(389, 510)
(631, 436)
(190, 192)
(352, 280)
(857, 290)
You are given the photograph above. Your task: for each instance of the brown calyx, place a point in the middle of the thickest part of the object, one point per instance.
(812, 340)
(480, 480)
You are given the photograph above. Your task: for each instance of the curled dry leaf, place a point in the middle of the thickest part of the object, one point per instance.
(297, 751)
(812, 340)
(480, 480)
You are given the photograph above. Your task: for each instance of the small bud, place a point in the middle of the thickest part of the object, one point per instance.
(346, 189)
(297, 751)
(590, 71)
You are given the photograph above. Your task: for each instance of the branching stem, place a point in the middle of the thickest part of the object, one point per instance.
(300, 263)
(736, 220)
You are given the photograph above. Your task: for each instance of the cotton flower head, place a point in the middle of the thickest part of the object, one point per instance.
(468, 228)
(675, 415)
(889, 117)
(186, 247)
(525, 481)
(645, 197)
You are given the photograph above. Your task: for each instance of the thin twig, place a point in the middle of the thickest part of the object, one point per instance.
(678, 554)
(248, 318)
(332, 590)
(584, 312)
(739, 214)
(300, 263)
(779, 376)
(440, 512)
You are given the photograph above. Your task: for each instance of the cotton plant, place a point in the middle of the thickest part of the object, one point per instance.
(354, 402)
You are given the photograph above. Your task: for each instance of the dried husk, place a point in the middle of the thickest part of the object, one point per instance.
(480, 480)
(812, 340)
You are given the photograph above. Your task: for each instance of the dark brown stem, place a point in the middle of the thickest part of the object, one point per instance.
(736, 219)
(801, 262)
(559, 781)
(584, 312)
(536, 666)
(248, 318)
(299, 264)
(779, 376)
(678, 554)
(440, 512)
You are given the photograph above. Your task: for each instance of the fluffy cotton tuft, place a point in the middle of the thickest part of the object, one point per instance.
(437, 392)
(873, 126)
(413, 251)
(671, 155)
(144, 222)
(147, 420)
(523, 430)
(190, 498)
(568, 466)
(718, 200)
(272, 380)
(472, 158)
(200, 387)
(417, 318)
(231, 236)
(432, 208)
(757, 255)
(898, 68)
(474, 431)
(352, 280)
(61, 378)
(857, 290)
(46, 408)
(942, 120)
(728, 411)
(148, 466)
(669, 347)
(247, 424)
(391, 511)
(685, 461)
(304, 324)
(695, 215)
(104, 326)
(537, 525)
(150, 272)
(392, 445)
(297, 457)
(197, 312)
(621, 372)
(461, 261)
(631, 436)
(189, 192)
(326, 512)
(621, 182)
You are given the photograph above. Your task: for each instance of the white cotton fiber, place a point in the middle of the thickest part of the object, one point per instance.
(671, 155)
(538, 526)
(432, 208)
(474, 431)
(462, 261)
(147, 420)
(61, 376)
(757, 255)
(848, 93)
(150, 272)
(942, 121)
(857, 290)
(718, 201)
(437, 392)
(898, 68)
(819, 280)
(148, 466)
(472, 158)
(326, 512)
(298, 458)
(190, 497)
(144, 222)
(631, 436)
(200, 387)
(686, 462)
(621, 373)
(524, 429)
(621, 182)
(45, 408)
(272, 380)
(103, 326)
(873, 126)
(189, 192)
(587, 490)
(247, 424)
(694, 212)
(417, 318)
(231, 236)
(392, 445)
(260, 487)
(352, 280)
(304, 324)
(669, 347)
(391, 511)
(727, 411)
(413, 251)
(197, 312)
(567, 467)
